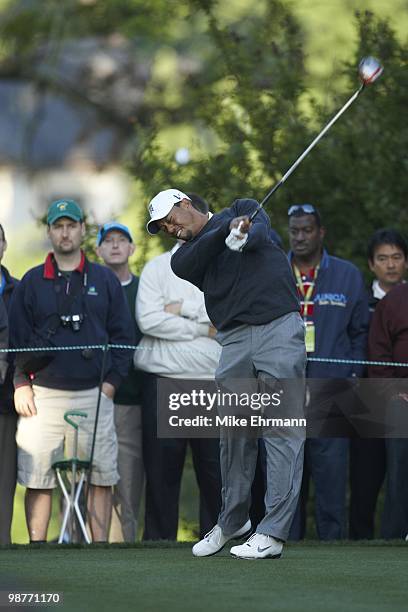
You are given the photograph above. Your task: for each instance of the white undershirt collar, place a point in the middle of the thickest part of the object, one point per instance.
(378, 293)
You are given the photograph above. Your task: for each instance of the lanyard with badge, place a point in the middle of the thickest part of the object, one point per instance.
(310, 338)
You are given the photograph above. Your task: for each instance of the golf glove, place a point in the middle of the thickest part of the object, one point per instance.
(235, 241)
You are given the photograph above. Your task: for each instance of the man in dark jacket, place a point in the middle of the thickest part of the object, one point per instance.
(335, 312)
(8, 416)
(67, 301)
(251, 299)
(388, 260)
(388, 342)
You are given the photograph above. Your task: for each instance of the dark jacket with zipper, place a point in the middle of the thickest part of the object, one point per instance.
(98, 299)
(254, 286)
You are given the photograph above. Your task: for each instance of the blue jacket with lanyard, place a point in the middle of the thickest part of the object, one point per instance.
(340, 316)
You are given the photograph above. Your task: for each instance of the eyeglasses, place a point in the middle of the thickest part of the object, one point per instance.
(308, 209)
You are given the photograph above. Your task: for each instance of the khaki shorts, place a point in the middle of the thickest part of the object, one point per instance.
(41, 438)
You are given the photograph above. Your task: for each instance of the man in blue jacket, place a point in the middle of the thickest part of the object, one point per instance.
(335, 311)
(251, 299)
(67, 301)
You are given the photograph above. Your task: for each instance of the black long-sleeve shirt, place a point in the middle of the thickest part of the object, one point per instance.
(253, 286)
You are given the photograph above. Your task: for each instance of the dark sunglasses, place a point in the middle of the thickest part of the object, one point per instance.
(308, 209)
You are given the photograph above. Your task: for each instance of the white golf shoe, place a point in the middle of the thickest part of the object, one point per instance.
(215, 540)
(258, 546)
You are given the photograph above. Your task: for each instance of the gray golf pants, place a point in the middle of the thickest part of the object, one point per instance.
(272, 351)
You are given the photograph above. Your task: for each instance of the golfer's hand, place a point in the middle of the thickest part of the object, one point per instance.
(108, 390)
(24, 401)
(238, 235)
(241, 223)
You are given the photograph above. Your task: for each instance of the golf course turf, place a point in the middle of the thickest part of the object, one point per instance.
(163, 576)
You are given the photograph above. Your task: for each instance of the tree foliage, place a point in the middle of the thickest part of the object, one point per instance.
(242, 87)
(356, 175)
(248, 96)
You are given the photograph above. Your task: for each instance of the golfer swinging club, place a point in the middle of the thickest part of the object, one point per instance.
(251, 299)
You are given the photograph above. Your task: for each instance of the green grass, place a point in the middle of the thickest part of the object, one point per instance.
(310, 576)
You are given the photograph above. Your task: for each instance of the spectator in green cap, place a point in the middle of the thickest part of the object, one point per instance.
(64, 208)
(65, 302)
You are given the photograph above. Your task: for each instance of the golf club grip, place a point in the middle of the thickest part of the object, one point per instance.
(307, 151)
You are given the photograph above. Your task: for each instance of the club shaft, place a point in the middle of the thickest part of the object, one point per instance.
(306, 151)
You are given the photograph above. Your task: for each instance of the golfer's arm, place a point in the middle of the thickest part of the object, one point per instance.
(259, 232)
(191, 261)
(257, 235)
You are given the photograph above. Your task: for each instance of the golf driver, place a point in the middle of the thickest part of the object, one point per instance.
(369, 70)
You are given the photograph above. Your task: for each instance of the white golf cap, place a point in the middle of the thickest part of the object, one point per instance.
(161, 205)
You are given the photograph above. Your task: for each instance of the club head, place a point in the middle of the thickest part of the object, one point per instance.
(369, 70)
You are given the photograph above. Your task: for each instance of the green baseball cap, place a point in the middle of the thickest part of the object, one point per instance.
(64, 208)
